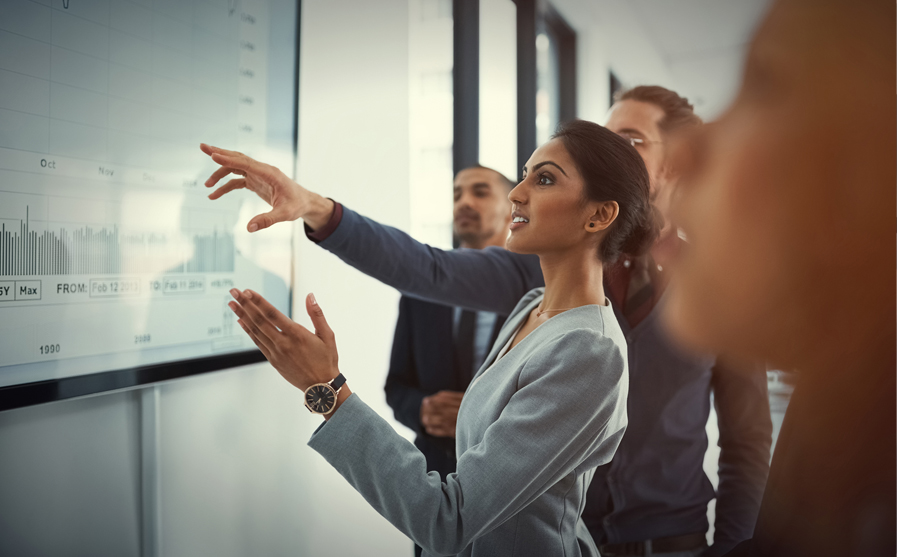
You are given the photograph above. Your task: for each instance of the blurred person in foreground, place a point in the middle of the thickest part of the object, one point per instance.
(652, 497)
(437, 349)
(789, 215)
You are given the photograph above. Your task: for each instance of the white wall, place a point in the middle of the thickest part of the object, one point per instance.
(354, 147)
(69, 478)
(234, 466)
(704, 43)
(233, 471)
(610, 37)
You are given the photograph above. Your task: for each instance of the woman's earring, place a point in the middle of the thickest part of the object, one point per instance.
(591, 225)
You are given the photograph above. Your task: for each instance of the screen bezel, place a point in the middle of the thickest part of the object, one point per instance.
(52, 390)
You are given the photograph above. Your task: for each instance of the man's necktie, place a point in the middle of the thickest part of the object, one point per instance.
(464, 347)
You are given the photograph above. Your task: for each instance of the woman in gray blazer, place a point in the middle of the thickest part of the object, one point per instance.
(538, 418)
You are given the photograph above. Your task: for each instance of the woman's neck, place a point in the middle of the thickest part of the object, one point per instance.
(572, 280)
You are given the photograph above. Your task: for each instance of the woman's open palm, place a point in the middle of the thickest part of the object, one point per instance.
(303, 358)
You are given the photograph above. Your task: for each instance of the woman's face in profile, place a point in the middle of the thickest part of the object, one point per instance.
(784, 195)
(548, 213)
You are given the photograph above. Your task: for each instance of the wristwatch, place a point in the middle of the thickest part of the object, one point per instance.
(320, 398)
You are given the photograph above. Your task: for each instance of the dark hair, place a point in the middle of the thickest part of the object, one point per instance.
(612, 170)
(677, 111)
(505, 181)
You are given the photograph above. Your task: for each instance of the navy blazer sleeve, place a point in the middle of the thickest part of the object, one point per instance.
(491, 279)
(403, 393)
(745, 436)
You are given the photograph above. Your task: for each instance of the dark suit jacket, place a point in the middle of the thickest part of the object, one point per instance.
(421, 365)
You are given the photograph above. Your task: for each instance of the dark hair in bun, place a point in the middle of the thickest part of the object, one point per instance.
(613, 171)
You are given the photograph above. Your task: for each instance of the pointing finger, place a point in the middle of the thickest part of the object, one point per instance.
(218, 175)
(235, 184)
(238, 161)
(211, 150)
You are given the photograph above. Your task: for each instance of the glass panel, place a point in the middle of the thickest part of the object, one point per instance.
(498, 86)
(548, 81)
(430, 111)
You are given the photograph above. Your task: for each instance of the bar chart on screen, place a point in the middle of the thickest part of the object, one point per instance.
(31, 244)
(108, 245)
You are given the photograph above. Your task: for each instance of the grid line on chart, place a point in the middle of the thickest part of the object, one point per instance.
(110, 62)
(108, 79)
(111, 96)
(96, 127)
(191, 54)
(123, 166)
(50, 81)
(210, 30)
(63, 11)
(71, 122)
(129, 79)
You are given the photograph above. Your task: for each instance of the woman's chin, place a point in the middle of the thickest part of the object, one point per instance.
(515, 245)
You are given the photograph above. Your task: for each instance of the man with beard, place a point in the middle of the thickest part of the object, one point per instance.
(437, 349)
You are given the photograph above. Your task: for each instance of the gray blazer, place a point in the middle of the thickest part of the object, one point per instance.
(531, 429)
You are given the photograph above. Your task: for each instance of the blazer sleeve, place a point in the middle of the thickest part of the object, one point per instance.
(745, 435)
(403, 393)
(491, 279)
(571, 397)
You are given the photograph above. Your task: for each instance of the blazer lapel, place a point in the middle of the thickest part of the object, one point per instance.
(443, 347)
(499, 323)
(509, 328)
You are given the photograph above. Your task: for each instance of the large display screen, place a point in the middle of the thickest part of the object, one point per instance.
(112, 258)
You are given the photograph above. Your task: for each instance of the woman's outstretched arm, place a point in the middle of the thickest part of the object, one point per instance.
(561, 412)
(567, 416)
(492, 279)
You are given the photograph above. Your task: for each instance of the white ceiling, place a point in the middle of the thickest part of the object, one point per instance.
(703, 43)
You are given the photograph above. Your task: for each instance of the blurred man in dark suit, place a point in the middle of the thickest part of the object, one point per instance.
(437, 348)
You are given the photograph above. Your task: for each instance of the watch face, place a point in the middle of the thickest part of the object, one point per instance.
(320, 398)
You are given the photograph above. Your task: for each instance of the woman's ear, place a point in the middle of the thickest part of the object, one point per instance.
(604, 215)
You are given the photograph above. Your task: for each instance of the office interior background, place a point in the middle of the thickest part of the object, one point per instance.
(393, 96)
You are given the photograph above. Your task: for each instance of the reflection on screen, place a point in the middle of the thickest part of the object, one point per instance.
(111, 256)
